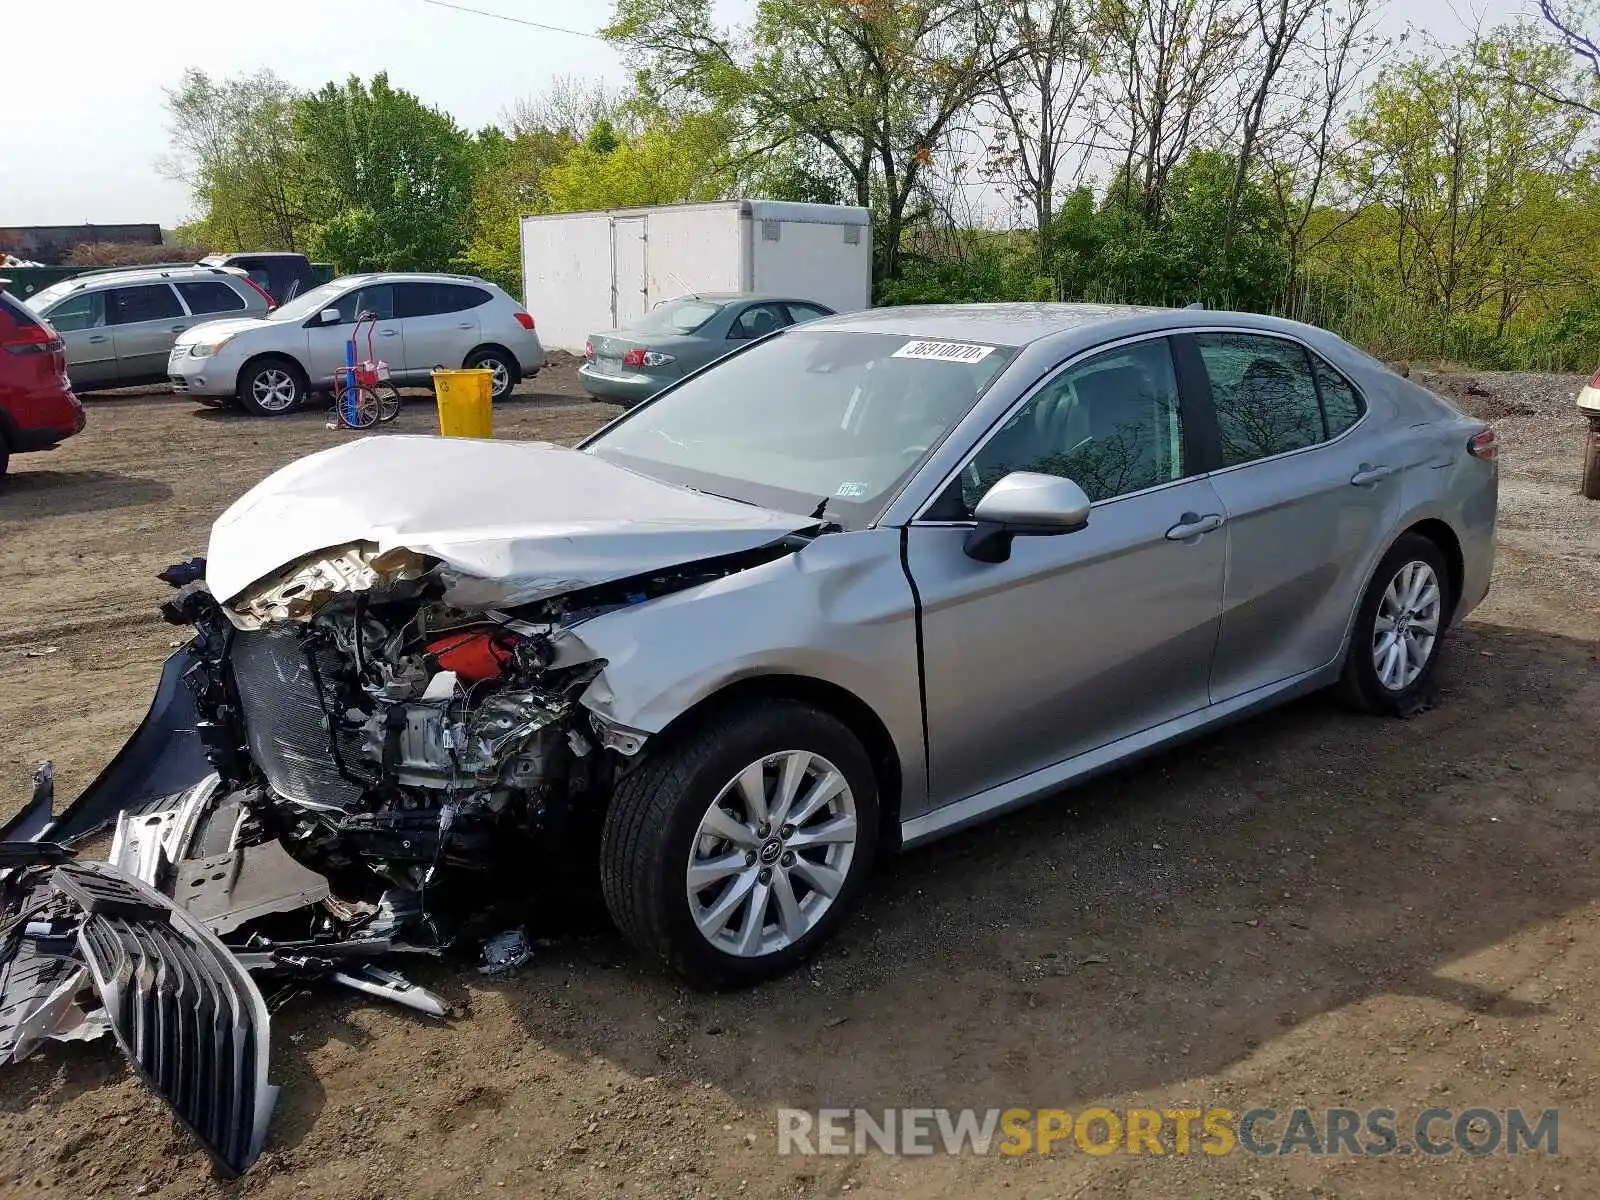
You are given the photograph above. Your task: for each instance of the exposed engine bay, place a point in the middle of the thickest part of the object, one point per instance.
(360, 757)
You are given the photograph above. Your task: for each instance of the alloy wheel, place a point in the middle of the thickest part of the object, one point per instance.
(274, 390)
(772, 853)
(1407, 625)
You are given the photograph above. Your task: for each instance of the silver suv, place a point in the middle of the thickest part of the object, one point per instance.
(272, 364)
(119, 325)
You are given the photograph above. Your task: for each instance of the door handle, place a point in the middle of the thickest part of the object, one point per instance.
(464, 325)
(97, 339)
(1192, 525)
(391, 333)
(179, 328)
(1369, 475)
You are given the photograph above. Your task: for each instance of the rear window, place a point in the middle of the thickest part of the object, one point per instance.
(678, 316)
(16, 310)
(209, 296)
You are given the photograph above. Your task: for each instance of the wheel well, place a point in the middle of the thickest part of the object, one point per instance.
(855, 714)
(252, 363)
(1442, 536)
(511, 359)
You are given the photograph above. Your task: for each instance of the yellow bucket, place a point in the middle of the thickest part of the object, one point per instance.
(465, 403)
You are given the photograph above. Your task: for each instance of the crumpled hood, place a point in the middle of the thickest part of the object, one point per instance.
(540, 518)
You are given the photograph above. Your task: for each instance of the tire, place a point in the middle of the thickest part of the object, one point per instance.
(654, 830)
(503, 366)
(5, 457)
(273, 386)
(1398, 689)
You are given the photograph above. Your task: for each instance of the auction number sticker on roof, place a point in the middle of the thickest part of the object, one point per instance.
(961, 352)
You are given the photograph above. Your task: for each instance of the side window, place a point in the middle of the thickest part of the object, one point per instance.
(1111, 424)
(757, 321)
(420, 299)
(464, 296)
(209, 296)
(150, 302)
(86, 310)
(1341, 404)
(805, 312)
(375, 298)
(1265, 397)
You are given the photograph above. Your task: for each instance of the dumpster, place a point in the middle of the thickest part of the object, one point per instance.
(465, 403)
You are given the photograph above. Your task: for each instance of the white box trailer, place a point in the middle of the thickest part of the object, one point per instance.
(589, 271)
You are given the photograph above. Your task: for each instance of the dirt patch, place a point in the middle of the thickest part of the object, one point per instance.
(1311, 908)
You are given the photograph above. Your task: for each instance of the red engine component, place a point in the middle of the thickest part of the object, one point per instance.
(474, 654)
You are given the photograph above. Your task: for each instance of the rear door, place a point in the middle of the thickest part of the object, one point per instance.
(91, 345)
(441, 324)
(630, 288)
(147, 318)
(1307, 485)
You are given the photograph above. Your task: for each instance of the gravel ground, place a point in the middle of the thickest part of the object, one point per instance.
(1310, 908)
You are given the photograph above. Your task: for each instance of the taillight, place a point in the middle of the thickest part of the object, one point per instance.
(1594, 380)
(640, 357)
(588, 350)
(1485, 445)
(524, 320)
(261, 291)
(31, 339)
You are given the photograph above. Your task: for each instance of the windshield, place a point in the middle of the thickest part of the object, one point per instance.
(45, 297)
(684, 315)
(314, 301)
(807, 417)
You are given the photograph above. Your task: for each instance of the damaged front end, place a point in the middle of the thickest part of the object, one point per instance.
(363, 755)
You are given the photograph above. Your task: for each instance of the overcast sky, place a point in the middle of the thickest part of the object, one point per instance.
(88, 128)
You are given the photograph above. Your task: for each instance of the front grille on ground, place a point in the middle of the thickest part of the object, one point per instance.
(285, 725)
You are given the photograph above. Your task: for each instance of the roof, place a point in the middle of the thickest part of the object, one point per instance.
(1001, 324)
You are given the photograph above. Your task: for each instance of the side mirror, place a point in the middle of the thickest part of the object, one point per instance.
(328, 316)
(1024, 504)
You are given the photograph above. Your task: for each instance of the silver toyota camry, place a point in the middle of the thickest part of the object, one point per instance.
(860, 584)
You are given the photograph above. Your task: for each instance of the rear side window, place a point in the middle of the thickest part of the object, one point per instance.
(805, 312)
(86, 310)
(1341, 404)
(149, 302)
(1264, 393)
(432, 299)
(209, 296)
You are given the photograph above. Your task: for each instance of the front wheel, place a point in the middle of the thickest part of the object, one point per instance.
(734, 852)
(272, 387)
(1399, 631)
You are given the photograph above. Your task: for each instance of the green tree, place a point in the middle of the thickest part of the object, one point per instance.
(669, 162)
(387, 180)
(508, 184)
(878, 85)
(234, 145)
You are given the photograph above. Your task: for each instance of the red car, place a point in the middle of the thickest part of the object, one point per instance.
(37, 407)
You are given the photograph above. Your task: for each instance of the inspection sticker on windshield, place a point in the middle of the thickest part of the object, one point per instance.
(851, 491)
(960, 352)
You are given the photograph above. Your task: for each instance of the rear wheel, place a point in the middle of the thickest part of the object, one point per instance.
(498, 362)
(272, 387)
(733, 853)
(1399, 631)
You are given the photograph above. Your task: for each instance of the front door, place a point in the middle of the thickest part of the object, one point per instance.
(1078, 639)
(1307, 490)
(147, 319)
(325, 344)
(630, 288)
(91, 345)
